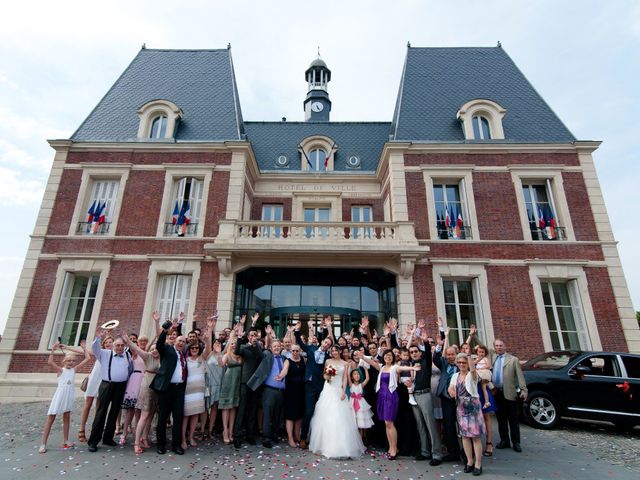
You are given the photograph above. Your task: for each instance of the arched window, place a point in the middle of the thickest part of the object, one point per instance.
(159, 127)
(481, 130)
(317, 158)
(482, 120)
(159, 120)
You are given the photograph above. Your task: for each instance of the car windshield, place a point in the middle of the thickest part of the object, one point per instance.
(550, 361)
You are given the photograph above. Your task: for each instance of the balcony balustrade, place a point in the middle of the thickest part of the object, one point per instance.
(92, 228)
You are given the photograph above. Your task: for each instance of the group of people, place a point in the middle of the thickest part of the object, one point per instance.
(411, 393)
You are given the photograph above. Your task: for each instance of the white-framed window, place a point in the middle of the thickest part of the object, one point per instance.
(271, 213)
(159, 120)
(174, 294)
(541, 211)
(101, 207)
(451, 210)
(75, 308)
(462, 308)
(564, 315)
(481, 128)
(317, 158)
(159, 127)
(317, 215)
(185, 207)
(362, 214)
(317, 153)
(482, 120)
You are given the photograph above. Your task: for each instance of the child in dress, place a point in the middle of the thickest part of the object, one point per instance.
(64, 396)
(361, 409)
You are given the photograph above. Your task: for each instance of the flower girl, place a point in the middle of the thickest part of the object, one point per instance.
(62, 401)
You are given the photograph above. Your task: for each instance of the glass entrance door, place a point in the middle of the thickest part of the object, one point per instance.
(344, 319)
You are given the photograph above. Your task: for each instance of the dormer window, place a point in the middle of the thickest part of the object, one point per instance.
(481, 130)
(317, 154)
(482, 120)
(159, 120)
(159, 127)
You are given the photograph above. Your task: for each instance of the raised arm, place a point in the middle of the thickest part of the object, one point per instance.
(370, 361)
(51, 362)
(366, 377)
(132, 346)
(87, 356)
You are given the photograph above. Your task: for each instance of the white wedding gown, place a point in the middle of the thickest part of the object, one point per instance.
(334, 431)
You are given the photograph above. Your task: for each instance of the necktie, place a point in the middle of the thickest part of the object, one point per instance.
(279, 362)
(497, 369)
(183, 363)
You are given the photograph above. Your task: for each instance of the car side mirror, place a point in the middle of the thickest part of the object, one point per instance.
(579, 371)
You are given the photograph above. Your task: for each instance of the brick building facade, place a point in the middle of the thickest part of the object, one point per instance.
(474, 203)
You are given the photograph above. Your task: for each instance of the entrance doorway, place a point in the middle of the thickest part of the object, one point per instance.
(344, 319)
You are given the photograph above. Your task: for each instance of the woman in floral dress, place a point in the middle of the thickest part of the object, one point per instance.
(464, 388)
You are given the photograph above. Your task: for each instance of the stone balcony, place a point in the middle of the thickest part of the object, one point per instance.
(391, 245)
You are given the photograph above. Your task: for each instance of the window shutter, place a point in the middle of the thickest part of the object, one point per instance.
(182, 293)
(63, 305)
(165, 296)
(578, 314)
(195, 199)
(105, 191)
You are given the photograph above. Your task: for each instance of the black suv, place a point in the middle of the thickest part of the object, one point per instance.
(590, 385)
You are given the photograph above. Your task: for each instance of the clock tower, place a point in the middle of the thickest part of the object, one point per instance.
(317, 104)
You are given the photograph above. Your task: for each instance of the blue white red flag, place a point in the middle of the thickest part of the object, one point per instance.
(91, 211)
(175, 214)
(541, 223)
(184, 219)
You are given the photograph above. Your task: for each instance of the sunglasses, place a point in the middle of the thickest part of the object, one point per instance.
(414, 351)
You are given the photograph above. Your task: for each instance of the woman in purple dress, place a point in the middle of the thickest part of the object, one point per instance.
(464, 388)
(387, 401)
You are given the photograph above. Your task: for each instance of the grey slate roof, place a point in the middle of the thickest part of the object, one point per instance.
(436, 82)
(272, 139)
(200, 82)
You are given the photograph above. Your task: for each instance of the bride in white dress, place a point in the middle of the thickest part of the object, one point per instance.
(334, 431)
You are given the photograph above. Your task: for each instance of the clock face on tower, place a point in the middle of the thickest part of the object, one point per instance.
(317, 107)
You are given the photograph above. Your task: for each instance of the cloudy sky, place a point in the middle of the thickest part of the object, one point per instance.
(57, 59)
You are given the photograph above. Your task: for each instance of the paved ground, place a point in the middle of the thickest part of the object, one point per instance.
(577, 451)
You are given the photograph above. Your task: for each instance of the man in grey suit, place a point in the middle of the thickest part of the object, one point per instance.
(510, 385)
(267, 376)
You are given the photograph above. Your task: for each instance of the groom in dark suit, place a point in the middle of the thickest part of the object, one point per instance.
(169, 383)
(316, 356)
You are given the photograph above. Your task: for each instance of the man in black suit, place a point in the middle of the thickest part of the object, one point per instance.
(169, 383)
(316, 356)
(448, 367)
(247, 347)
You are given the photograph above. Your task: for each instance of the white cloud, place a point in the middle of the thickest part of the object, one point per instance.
(18, 190)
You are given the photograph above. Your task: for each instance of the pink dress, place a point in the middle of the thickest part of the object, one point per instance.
(133, 384)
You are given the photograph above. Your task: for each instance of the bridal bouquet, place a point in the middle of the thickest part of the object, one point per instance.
(329, 372)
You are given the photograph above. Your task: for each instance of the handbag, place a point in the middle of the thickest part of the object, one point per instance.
(84, 384)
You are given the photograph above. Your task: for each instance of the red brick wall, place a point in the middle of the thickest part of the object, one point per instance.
(124, 294)
(542, 250)
(496, 206)
(207, 290)
(37, 306)
(124, 246)
(513, 310)
(258, 202)
(141, 204)
(217, 202)
(491, 159)
(65, 202)
(417, 203)
(582, 219)
(149, 158)
(425, 297)
(605, 309)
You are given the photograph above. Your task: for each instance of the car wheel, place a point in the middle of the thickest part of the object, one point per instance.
(541, 410)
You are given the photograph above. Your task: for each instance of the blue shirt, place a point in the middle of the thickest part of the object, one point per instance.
(276, 368)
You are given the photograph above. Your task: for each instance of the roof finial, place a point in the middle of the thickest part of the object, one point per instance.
(499, 44)
(318, 51)
(408, 44)
(229, 46)
(144, 46)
